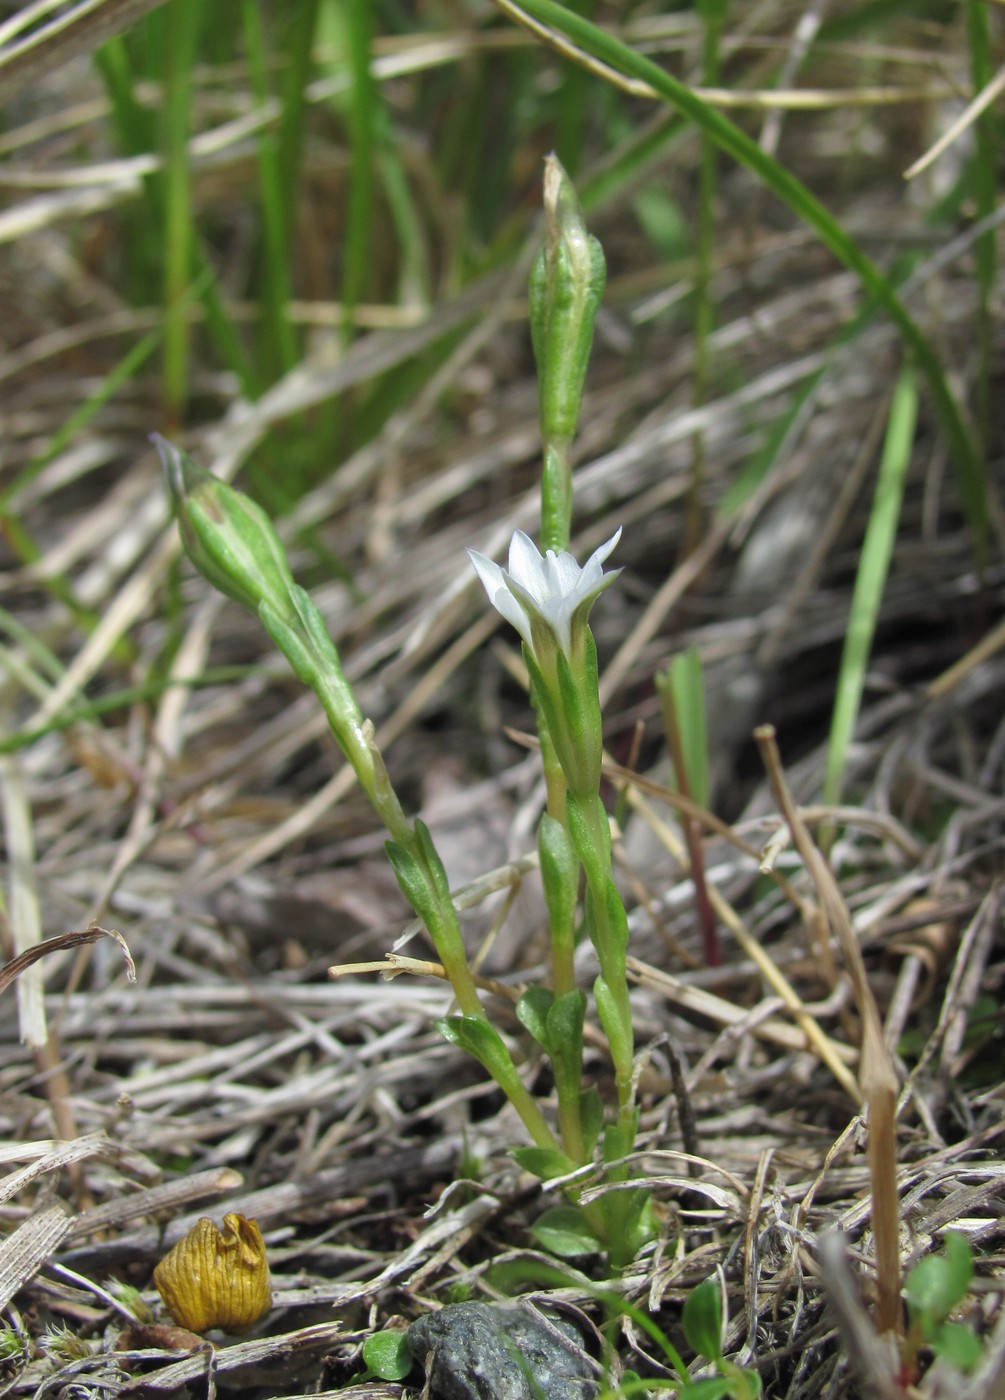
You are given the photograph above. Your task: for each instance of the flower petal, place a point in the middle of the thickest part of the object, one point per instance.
(495, 581)
(551, 588)
(595, 562)
(488, 571)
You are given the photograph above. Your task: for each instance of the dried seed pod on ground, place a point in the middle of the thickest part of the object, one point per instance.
(216, 1278)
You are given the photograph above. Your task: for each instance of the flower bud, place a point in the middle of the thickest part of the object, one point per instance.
(228, 537)
(216, 1278)
(566, 288)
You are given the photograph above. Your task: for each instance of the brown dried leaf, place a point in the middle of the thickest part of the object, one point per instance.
(58, 944)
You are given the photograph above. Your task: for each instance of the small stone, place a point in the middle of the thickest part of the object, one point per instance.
(502, 1351)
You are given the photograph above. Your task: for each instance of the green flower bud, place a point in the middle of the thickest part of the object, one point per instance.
(230, 539)
(566, 288)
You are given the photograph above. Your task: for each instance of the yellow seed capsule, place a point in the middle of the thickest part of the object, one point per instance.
(216, 1278)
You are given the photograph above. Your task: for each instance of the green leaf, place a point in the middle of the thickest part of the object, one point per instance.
(587, 816)
(476, 1036)
(559, 872)
(565, 1039)
(434, 865)
(578, 731)
(411, 877)
(702, 1319)
(957, 1343)
(532, 1013)
(388, 1355)
(709, 1388)
(960, 1263)
(565, 1231)
(541, 691)
(619, 1036)
(543, 1162)
(591, 1117)
(619, 1139)
(615, 918)
(318, 635)
(638, 1219)
(939, 1281)
(290, 643)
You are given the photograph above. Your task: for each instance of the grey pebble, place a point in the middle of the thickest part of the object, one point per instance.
(502, 1351)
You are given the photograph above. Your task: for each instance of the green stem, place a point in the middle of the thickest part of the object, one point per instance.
(556, 494)
(445, 931)
(607, 925)
(563, 970)
(530, 1115)
(571, 1125)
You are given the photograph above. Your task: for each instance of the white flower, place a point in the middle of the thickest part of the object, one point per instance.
(549, 588)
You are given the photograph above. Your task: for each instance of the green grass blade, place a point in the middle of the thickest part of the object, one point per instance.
(144, 221)
(414, 279)
(82, 415)
(870, 580)
(645, 144)
(713, 15)
(221, 328)
(985, 188)
(363, 104)
(967, 461)
(87, 711)
(279, 346)
(299, 51)
(136, 130)
(182, 27)
(687, 683)
(573, 106)
(31, 666)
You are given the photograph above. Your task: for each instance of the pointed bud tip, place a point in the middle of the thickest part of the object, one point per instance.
(182, 473)
(554, 174)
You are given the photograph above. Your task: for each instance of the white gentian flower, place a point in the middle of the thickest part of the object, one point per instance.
(551, 588)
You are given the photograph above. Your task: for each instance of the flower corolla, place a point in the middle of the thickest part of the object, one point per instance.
(549, 589)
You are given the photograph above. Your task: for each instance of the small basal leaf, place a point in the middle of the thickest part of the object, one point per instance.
(638, 1219)
(709, 1388)
(957, 1343)
(565, 1231)
(387, 1354)
(926, 1288)
(702, 1319)
(959, 1266)
(939, 1282)
(542, 1162)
